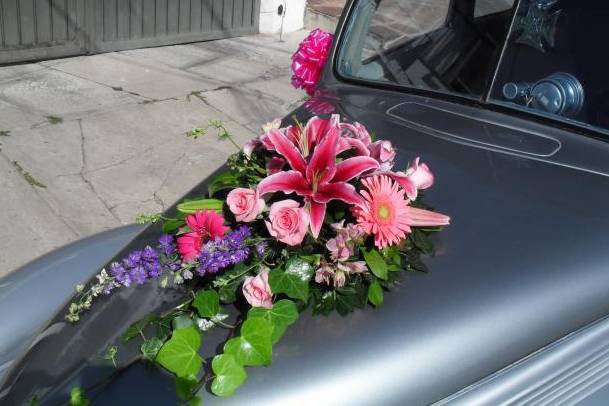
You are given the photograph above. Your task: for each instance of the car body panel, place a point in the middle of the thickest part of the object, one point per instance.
(522, 265)
(53, 277)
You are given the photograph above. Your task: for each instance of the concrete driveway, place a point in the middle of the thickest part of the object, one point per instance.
(87, 143)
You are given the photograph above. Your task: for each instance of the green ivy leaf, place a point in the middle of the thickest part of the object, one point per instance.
(137, 328)
(186, 386)
(283, 314)
(192, 206)
(376, 263)
(290, 284)
(150, 348)
(180, 354)
(207, 303)
(224, 180)
(299, 267)
(229, 375)
(77, 397)
(375, 294)
(170, 226)
(254, 346)
(181, 321)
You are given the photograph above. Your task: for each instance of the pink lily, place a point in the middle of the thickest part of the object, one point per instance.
(319, 179)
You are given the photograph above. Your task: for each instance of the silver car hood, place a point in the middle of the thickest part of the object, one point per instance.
(523, 263)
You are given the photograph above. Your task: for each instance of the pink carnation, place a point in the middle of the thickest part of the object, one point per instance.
(245, 204)
(288, 222)
(257, 290)
(204, 226)
(309, 60)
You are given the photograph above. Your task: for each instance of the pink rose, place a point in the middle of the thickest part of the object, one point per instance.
(257, 290)
(288, 222)
(244, 204)
(384, 153)
(420, 175)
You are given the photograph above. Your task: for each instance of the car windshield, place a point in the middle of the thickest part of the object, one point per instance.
(540, 56)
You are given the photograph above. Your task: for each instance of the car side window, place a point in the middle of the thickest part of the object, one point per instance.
(555, 62)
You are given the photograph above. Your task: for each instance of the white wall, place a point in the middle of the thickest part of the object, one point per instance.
(293, 16)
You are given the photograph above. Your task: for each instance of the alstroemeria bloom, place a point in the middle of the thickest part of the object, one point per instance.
(318, 178)
(384, 153)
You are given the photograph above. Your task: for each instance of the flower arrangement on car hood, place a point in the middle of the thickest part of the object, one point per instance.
(310, 215)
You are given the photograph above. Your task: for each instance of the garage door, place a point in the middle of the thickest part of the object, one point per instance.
(40, 29)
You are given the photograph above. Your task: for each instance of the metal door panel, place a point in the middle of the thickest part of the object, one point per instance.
(40, 29)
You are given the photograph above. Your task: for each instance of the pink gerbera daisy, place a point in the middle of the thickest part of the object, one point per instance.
(204, 225)
(386, 213)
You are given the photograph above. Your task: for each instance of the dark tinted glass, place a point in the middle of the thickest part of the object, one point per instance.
(556, 61)
(450, 46)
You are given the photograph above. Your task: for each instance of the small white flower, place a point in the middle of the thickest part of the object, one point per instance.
(205, 324)
(219, 317)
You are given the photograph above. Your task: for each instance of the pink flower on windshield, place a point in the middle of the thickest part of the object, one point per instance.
(316, 177)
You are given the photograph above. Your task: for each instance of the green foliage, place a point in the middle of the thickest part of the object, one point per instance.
(375, 294)
(290, 284)
(137, 328)
(253, 347)
(172, 225)
(186, 387)
(248, 170)
(294, 281)
(150, 348)
(54, 119)
(180, 353)
(192, 206)
(229, 375)
(207, 303)
(376, 263)
(196, 132)
(422, 241)
(344, 300)
(181, 321)
(148, 218)
(110, 354)
(77, 397)
(222, 181)
(229, 282)
(283, 314)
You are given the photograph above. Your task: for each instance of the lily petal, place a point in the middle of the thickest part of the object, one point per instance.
(287, 148)
(316, 127)
(352, 167)
(421, 217)
(338, 191)
(322, 166)
(286, 182)
(317, 212)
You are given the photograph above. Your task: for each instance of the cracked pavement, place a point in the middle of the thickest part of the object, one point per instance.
(89, 142)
